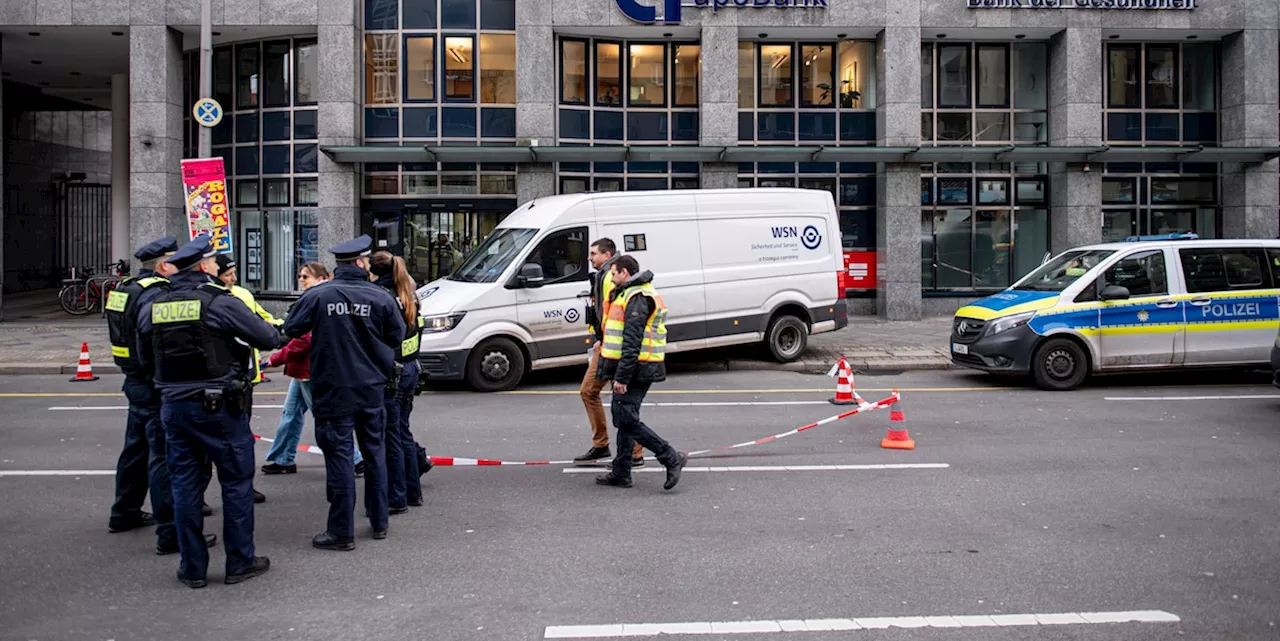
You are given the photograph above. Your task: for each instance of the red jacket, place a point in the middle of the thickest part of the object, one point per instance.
(296, 358)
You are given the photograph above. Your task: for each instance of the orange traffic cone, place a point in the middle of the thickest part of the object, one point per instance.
(897, 438)
(84, 371)
(844, 387)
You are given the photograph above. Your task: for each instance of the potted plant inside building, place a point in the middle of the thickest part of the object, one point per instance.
(848, 99)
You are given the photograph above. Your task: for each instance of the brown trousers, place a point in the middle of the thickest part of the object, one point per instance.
(590, 392)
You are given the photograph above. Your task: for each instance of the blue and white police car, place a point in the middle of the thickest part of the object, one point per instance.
(1151, 302)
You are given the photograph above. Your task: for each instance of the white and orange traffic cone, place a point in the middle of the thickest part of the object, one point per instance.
(84, 370)
(897, 438)
(845, 394)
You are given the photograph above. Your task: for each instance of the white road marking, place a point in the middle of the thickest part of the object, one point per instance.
(1192, 398)
(618, 630)
(91, 408)
(773, 468)
(57, 472)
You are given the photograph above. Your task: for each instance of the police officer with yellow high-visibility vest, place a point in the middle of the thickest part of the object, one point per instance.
(196, 335)
(633, 355)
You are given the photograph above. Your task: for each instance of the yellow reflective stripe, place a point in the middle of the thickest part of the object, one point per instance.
(116, 301)
(152, 280)
(119, 351)
(178, 311)
(409, 346)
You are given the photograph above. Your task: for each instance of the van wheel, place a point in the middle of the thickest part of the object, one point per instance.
(495, 365)
(1059, 365)
(787, 338)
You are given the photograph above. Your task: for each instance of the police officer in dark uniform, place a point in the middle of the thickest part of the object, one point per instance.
(356, 331)
(195, 335)
(139, 466)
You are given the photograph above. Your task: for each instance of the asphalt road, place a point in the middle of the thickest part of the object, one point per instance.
(1154, 494)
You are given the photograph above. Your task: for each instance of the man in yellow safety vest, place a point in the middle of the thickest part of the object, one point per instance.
(632, 356)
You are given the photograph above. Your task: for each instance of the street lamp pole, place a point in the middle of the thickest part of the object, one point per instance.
(205, 146)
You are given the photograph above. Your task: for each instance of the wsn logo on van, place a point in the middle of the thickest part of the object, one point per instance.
(811, 238)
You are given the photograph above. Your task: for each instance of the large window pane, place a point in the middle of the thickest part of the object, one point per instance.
(647, 68)
(381, 69)
(420, 68)
(1162, 68)
(306, 74)
(816, 76)
(953, 241)
(497, 68)
(459, 69)
(277, 73)
(418, 14)
(927, 278)
(993, 76)
(1031, 236)
(1200, 76)
(247, 76)
(608, 74)
(953, 76)
(223, 76)
(498, 14)
(992, 126)
(1030, 84)
(381, 14)
(573, 70)
(991, 240)
(954, 127)
(775, 76)
(856, 75)
(926, 76)
(456, 14)
(1030, 127)
(688, 60)
(1122, 77)
(746, 75)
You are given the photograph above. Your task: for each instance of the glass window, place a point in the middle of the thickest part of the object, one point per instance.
(277, 74)
(381, 69)
(646, 126)
(381, 123)
(993, 236)
(304, 124)
(1142, 274)
(247, 128)
(274, 252)
(1225, 269)
(223, 76)
(1162, 67)
(648, 76)
(746, 74)
(608, 184)
(487, 262)
(687, 62)
(991, 126)
(857, 229)
(1122, 77)
(993, 191)
(1121, 191)
(381, 14)
(953, 77)
(1059, 273)
(305, 160)
(926, 77)
(953, 243)
(246, 193)
(856, 75)
(458, 184)
(1031, 231)
(497, 184)
(953, 191)
(573, 70)
(420, 68)
(246, 161)
(1200, 77)
(573, 185)
(379, 185)
(1031, 191)
(459, 69)
(1124, 126)
(306, 191)
(418, 14)
(1031, 84)
(277, 190)
(993, 76)
(955, 127)
(497, 68)
(497, 123)
(247, 76)
(458, 14)
(306, 74)
(608, 74)
(458, 123)
(498, 14)
(1030, 127)
(816, 76)
(775, 76)
(275, 159)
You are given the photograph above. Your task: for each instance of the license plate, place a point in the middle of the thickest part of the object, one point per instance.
(959, 349)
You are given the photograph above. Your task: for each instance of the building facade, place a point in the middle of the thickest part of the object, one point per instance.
(962, 140)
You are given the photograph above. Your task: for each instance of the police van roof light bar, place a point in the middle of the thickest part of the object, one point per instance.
(1177, 236)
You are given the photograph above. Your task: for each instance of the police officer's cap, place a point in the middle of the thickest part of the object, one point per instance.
(190, 255)
(157, 249)
(353, 249)
(225, 263)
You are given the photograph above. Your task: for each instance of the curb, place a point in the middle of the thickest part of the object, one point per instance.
(36, 369)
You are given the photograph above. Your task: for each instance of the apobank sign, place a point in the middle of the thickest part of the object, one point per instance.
(640, 11)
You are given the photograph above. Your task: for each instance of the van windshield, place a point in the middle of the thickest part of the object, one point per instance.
(487, 262)
(1058, 274)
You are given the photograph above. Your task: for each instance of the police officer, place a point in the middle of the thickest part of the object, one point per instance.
(356, 331)
(195, 334)
(139, 464)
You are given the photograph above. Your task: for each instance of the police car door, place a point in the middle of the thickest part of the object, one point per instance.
(1230, 304)
(553, 313)
(1146, 329)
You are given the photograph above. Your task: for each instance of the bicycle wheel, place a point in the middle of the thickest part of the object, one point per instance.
(74, 299)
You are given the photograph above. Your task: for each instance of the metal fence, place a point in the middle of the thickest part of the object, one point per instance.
(84, 227)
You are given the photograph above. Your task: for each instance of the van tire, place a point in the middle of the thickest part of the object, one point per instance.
(786, 338)
(495, 365)
(1059, 365)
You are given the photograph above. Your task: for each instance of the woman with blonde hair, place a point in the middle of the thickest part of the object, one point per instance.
(403, 486)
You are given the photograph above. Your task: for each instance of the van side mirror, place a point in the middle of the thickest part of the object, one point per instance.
(1115, 292)
(530, 276)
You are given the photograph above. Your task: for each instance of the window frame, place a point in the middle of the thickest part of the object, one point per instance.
(581, 275)
(480, 69)
(1101, 282)
(370, 70)
(287, 67)
(435, 69)
(674, 75)
(586, 72)
(803, 102)
(623, 85)
(666, 85)
(1005, 49)
(444, 37)
(257, 103)
(297, 66)
(759, 65)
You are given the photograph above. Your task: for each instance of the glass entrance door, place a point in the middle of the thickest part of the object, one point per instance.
(433, 243)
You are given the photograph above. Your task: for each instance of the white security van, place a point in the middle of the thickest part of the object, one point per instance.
(734, 266)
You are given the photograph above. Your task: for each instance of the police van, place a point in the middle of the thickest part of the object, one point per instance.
(1169, 301)
(734, 266)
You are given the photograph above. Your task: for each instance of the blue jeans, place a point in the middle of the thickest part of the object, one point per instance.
(289, 432)
(334, 437)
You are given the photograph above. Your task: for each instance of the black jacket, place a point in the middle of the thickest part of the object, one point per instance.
(597, 294)
(629, 369)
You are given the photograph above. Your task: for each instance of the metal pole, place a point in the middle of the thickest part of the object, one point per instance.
(206, 72)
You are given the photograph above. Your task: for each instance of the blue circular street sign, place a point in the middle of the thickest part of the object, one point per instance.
(207, 112)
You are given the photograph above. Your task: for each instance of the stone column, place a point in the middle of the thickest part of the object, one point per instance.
(1075, 96)
(155, 135)
(1248, 116)
(898, 290)
(337, 122)
(536, 99)
(718, 102)
(120, 167)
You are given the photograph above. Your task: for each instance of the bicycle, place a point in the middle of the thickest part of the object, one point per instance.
(85, 292)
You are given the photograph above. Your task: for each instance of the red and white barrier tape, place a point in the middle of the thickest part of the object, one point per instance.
(453, 461)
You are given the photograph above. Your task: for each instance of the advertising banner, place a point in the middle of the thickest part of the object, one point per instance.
(205, 182)
(860, 270)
